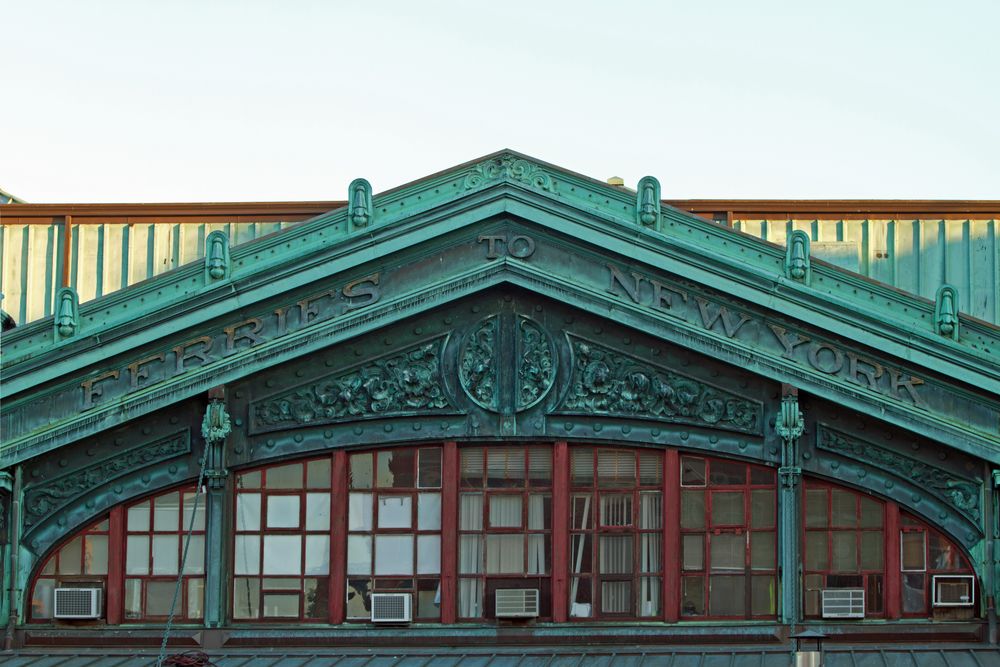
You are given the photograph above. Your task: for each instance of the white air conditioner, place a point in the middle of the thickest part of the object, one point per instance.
(77, 603)
(954, 590)
(517, 603)
(391, 608)
(843, 603)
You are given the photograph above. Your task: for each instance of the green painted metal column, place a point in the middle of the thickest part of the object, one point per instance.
(789, 426)
(215, 428)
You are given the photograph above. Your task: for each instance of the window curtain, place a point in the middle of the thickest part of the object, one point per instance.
(536, 543)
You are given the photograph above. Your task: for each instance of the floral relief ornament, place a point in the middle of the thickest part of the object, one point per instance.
(508, 166)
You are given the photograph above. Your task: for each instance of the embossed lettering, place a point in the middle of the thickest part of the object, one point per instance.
(899, 381)
(870, 371)
(182, 353)
(708, 319)
(358, 288)
(254, 324)
(631, 289)
(663, 295)
(90, 392)
(788, 342)
(136, 371)
(527, 249)
(816, 362)
(491, 247)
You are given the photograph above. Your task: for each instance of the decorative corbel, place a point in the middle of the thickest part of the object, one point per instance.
(946, 311)
(215, 428)
(360, 209)
(798, 266)
(67, 320)
(647, 202)
(789, 426)
(217, 264)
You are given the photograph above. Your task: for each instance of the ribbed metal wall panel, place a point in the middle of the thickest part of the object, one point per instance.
(30, 268)
(916, 256)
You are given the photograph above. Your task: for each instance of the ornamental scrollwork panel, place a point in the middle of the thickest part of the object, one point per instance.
(962, 494)
(608, 382)
(41, 501)
(536, 363)
(408, 382)
(508, 166)
(477, 368)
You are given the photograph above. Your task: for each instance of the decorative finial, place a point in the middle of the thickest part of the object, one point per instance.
(946, 311)
(67, 313)
(648, 201)
(797, 261)
(360, 210)
(217, 265)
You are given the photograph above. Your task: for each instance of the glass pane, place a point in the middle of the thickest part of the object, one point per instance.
(281, 584)
(470, 598)
(762, 508)
(316, 597)
(762, 551)
(871, 550)
(42, 598)
(428, 554)
(943, 554)
(359, 554)
(813, 586)
(693, 596)
(650, 469)
(284, 477)
(361, 471)
(817, 546)
(650, 510)
(505, 511)
(650, 546)
(95, 555)
(159, 596)
(473, 463)
(615, 468)
(317, 511)
(504, 554)
(760, 475)
(195, 563)
(505, 467)
(189, 509)
(727, 595)
(428, 599)
(282, 511)
(539, 511)
(728, 552)
(138, 517)
(692, 509)
(580, 599)
(50, 565)
(282, 554)
(137, 554)
(133, 598)
(913, 594)
(844, 554)
(693, 547)
(727, 508)
(470, 511)
(913, 550)
(616, 597)
(816, 509)
(763, 596)
(470, 554)
(247, 554)
(616, 509)
(317, 554)
(583, 515)
(580, 546)
(318, 474)
(844, 508)
(875, 593)
(196, 598)
(166, 554)
(246, 598)
(615, 554)
(692, 471)
(727, 472)
(583, 466)
(395, 511)
(540, 466)
(649, 596)
(871, 513)
(167, 512)
(538, 549)
(359, 511)
(71, 557)
(429, 468)
(358, 598)
(429, 511)
(249, 480)
(393, 554)
(281, 605)
(248, 511)
(395, 469)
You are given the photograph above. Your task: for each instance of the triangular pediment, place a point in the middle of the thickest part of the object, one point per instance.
(504, 220)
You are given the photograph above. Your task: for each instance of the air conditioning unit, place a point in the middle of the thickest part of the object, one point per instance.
(843, 603)
(77, 603)
(954, 590)
(391, 608)
(517, 603)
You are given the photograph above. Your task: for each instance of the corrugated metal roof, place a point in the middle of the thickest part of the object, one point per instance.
(950, 656)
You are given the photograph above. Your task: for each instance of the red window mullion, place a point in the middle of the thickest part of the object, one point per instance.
(560, 532)
(449, 531)
(116, 565)
(338, 539)
(671, 536)
(893, 573)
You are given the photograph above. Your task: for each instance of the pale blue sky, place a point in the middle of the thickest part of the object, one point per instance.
(250, 101)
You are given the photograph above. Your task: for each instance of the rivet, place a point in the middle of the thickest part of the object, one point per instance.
(173, 420)
(713, 439)
(943, 515)
(685, 362)
(357, 352)
(417, 426)
(238, 422)
(147, 431)
(626, 429)
(655, 432)
(358, 430)
(971, 537)
(34, 544)
(327, 434)
(772, 451)
(418, 331)
(742, 444)
(598, 330)
(888, 484)
(942, 456)
(444, 426)
(297, 437)
(387, 428)
(655, 351)
(269, 382)
(862, 472)
(172, 469)
(91, 451)
(475, 309)
(916, 498)
(90, 503)
(568, 426)
(744, 384)
(118, 489)
(328, 362)
(239, 394)
(299, 373)
(387, 340)
(914, 446)
(63, 463)
(146, 478)
(448, 320)
(627, 340)
(237, 450)
(684, 435)
(806, 456)
(269, 444)
(61, 521)
(538, 425)
(36, 473)
(538, 308)
(597, 428)
(835, 465)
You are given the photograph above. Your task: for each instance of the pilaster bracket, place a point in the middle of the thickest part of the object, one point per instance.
(789, 426)
(215, 428)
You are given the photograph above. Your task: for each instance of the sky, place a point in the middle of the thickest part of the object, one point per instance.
(244, 100)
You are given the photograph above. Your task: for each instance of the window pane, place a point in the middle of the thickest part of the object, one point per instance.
(159, 596)
(249, 480)
(395, 469)
(580, 546)
(583, 513)
(844, 554)
(727, 472)
(762, 551)
(692, 471)
(473, 462)
(189, 508)
(167, 512)
(943, 554)
(615, 468)
(282, 554)
(650, 546)
(359, 511)
(692, 509)
(616, 510)
(763, 596)
(284, 477)
(760, 475)
(650, 510)
(428, 599)
(580, 599)
(616, 597)
(693, 547)
(505, 467)
(762, 508)
(247, 554)
(504, 554)
(95, 555)
(361, 471)
(871, 513)
(317, 554)
(505, 511)
(540, 466)
(871, 550)
(693, 596)
(246, 598)
(166, 555)
(358, 598)
(318, 474)
(359, 554)
(583, 466)
(470, 514)
(42, 598)
(317, 511)
(429, 511)
(816, 509)
(138, 517)
(71, 557)
(538, 549)
(316, 599)
(727, 595)
(195, 563)
(913, 550)
(813, 586)
(539, 511)
(649, 596)
(816, 550)
(429, 468)
(395, 511)
(615, 554)
(843, 505)
(393, 554)
(137, 554)
(428, 554)
(470, 554)
(728, 552)
(196, 598)
(650, 469)
(248, 511)
(282, 511)
(913, 594)
(470, 598)
(727, 508)
(133, 598)
(281, 605)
